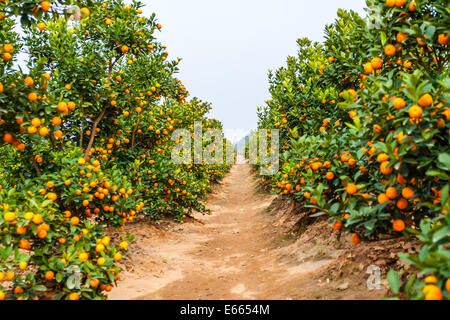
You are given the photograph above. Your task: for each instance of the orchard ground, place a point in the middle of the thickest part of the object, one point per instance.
(248, 248)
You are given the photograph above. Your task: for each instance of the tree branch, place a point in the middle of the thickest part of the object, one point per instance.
(134, 132)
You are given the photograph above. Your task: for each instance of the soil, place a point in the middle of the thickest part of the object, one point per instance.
(252, 246)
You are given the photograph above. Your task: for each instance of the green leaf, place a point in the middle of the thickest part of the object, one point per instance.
(394, 281)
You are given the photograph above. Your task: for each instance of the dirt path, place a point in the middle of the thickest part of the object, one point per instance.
(231, 254)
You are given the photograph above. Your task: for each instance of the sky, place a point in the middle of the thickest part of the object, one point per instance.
(227, 47)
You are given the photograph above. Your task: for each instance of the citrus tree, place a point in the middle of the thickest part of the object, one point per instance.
(88, 104)
(364, 129)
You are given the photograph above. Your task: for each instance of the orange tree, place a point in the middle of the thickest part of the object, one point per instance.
(364, 128)
(86, 143)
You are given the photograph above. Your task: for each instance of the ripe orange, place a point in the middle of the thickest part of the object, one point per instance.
(351, 188)
(377, 63)
(415, 112)
(35, 122)
(337, 225)
(32, 97)
(8, 138)
(117, 257)
(430, 279)
(85, 11)
(407, 193)
(401, 36)
(400, 3)
(74, 221)
(56, 121)
(41, 26)
(390, 50)
(46, 6)
(383, 198)
(390, 3)
(402, 204)
(391, 193)
(9, 216)
(43, 131)
(398, 225)
(444, 39)
(382, 157)
(29, 81)
(52, 196)
(426, 100)
(399, 103)
(432, 292)
(8, 48)
(124, 49)
(49, 275)
(101, 261)
(355, 239)
(384, 168)
(330, 175)
(368, 68)
(74, 296)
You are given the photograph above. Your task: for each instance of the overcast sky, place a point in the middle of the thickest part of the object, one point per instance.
(228, 46)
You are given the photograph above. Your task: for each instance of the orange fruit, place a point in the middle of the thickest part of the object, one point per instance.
(398, 225)
(74, 296)
(384, 168)
(415, 112)
(368, 68)
(383, 198)
(43, 131)
(337, 225)
(8, 138)
(101, 261)
(390, 50)
(402, 204)
(35, 122)
(390, 3)
(412, 6)
(330, 175)
(382, 157)
(399, 103)
(29, 81)
(85, 11)
(400, 3)
(52, 196)
(351, 188)
(8, 48)
(377, 63)
(46, 6)
(432, 292)
(124, 49)
(407, 193)
(32, 97)
(391, 193)
(41, 26)
(355, 239)
(56, 121)
(401, 36)
(443, 39)
(49, 275)
(430, 279)
(74, 221)
(9, 216)
(426, 100)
